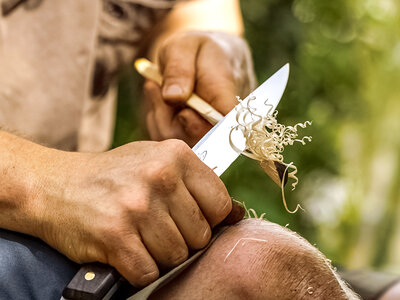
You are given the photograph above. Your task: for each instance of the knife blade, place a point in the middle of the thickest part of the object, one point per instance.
(215, 148)
(216, 151)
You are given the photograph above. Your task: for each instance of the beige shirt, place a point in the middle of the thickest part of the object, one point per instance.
(58, 63)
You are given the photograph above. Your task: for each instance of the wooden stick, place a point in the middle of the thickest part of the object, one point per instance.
(150, 71)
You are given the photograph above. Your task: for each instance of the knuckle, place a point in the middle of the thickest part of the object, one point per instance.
(177, 148)
(162, 174)
(135, 204)
(214, 42)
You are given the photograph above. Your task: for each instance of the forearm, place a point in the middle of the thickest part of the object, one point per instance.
(24, 171)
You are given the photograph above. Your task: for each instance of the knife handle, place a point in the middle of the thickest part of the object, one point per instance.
(94, 281)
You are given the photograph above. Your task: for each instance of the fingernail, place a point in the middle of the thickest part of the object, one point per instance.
(207, 233)
(172, 91)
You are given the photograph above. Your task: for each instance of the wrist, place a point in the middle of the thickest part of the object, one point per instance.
(17, 181)
(29, 174)
(52, 180)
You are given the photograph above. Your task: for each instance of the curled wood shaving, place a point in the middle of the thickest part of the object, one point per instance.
(266, 139)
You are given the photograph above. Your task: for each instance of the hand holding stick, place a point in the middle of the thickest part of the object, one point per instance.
(274, 169)
(150, 71)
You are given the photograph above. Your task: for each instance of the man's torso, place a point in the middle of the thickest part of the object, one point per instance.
(58, 61)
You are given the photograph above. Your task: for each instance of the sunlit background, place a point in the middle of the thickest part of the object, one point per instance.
(345, 78)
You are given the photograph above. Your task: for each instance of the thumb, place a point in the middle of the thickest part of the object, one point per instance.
(178, 66)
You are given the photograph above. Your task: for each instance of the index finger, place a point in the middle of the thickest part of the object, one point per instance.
(207, 189)
(178, 67)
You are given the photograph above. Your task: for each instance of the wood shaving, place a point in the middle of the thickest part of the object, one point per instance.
(266, 139)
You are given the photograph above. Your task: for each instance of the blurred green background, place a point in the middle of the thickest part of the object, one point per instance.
(345, 78)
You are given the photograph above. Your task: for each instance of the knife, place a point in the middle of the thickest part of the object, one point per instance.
(98, 281)
(274, 169)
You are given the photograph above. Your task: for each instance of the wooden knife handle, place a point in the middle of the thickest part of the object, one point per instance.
(92, 282)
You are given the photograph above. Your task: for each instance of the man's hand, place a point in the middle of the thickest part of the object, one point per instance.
(215, 65)
(137, 207)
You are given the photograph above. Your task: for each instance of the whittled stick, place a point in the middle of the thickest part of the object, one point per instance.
(150, 71)
(274, 169)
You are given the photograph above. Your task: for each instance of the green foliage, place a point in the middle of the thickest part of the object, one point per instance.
(345, 73)
(344, 58)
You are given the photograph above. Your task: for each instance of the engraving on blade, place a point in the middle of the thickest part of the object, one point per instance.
(217, 142)
(270, 92)
(203, 155)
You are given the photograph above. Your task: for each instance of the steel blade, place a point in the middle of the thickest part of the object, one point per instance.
(215, 148)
